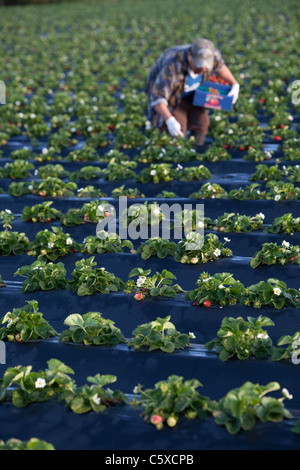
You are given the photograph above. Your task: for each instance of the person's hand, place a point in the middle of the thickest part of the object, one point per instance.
(234, 92)
(174, 127)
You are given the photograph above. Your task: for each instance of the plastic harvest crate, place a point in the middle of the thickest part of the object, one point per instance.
(213, 95)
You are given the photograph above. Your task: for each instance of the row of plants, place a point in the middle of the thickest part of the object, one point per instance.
(87, 278)
(150, 214)
(158, 148)
(55, 187)
(273, 190)
(170, 400)
(27, 323)
(51, 245)
(32, 444)
(221, 288)
(236, 337)
(155, 173)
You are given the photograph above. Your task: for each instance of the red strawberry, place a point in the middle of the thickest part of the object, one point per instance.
(138, 296)
(206, 303)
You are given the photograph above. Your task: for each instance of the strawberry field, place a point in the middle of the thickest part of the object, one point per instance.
(112, 342)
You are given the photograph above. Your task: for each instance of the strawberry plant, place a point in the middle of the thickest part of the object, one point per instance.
(52, 245)
(221, 288)
(13, 243)
(160, 284)
(242, 338)
(193, 173)
(31, 444)
(85, 154)
(91, 328)
(40, 213)
(41, 275)
(117, 171)
(172, 400)
(19, 169)
(241, 408)
(250, 192)
(87, 173)
(157, 173)
(25, 323)
(210, 191)
(88, 279)
(93, 397)
(215, 153)
(272, 293)
(280, 191)
(286, 347)
(160, 247)
(52, 171)
(267, 173)
(231, 222)
(105, 242)
(159, 334)
(35, 387)
(53, 187)
(284, 224)
(130, 193)
(272, 253)
(211, 249)
(90, 192)
(90, 212)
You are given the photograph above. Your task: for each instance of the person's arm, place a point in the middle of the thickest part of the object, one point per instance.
(226, 74)
(163, 110)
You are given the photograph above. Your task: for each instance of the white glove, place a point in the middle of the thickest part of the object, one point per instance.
(174, 127)
(235, 89)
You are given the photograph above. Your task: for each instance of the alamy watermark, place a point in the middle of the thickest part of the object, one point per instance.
(144, 221)
(296, 352)
(296, 94)
(2, 92)
(2, 353)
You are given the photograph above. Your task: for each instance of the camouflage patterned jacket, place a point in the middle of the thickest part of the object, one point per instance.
(165, 83)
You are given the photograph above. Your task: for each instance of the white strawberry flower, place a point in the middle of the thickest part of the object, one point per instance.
(40, 383)
(69, 241)
(96, 399)
(277, 197)
(286, 244)
(192, 335)
(277, 291)
(261, 215)
(287, 394)
(217, 252)
(153, 172)
(263, 336)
